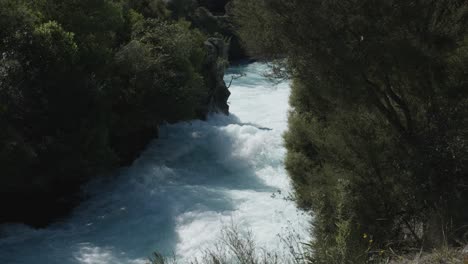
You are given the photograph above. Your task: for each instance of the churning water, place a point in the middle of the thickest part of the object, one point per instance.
(188, 184)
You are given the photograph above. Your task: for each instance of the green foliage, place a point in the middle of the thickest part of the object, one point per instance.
(211, 18)
(175, 64)
(54, 41)
(15, 15)
(159, 78)
(377, 135)
(83, 88)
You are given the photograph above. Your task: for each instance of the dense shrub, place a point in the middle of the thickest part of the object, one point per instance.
(159, 78)
(83, 88)
(377, 142)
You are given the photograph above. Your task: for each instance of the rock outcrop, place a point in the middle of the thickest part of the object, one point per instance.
(216, 63)
(203, 19)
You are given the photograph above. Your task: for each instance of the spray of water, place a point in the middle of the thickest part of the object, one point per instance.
(188, 184)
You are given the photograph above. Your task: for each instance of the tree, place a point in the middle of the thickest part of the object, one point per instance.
(376, 138)
(84, 86)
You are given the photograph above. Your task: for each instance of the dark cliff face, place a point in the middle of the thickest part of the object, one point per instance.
(216, 63)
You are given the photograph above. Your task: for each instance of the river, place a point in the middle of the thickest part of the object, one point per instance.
(192, 181)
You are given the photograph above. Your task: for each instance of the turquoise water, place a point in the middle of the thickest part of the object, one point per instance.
(197, 178)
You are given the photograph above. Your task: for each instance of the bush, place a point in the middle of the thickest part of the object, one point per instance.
(378, 105)
(83, 88)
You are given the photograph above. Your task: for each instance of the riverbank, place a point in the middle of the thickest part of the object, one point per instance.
(197, 176)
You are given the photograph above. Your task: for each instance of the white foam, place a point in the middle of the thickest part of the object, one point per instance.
(195, 179)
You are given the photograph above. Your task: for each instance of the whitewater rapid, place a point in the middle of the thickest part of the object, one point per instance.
(197, 178)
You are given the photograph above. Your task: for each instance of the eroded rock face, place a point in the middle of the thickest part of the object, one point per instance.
(216, 63)
(203, 19)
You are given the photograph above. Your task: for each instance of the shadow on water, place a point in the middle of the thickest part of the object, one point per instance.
(189, 168)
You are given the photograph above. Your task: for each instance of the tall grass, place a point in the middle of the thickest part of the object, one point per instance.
(235, 246)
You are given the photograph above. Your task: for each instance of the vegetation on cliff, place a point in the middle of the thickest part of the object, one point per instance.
(213, 17)
(377, 142)
(83, 88)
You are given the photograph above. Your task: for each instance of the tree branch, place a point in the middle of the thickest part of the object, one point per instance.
(390, 114)
(403, 105)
